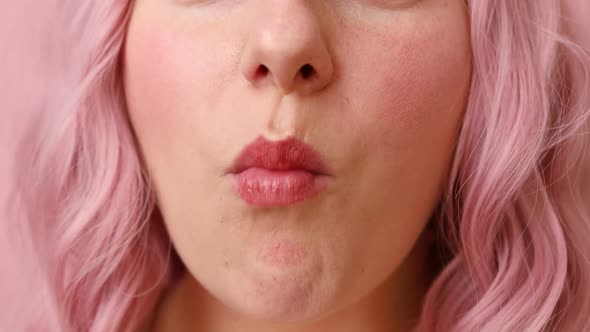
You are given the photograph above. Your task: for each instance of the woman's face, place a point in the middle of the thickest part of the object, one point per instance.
(382, 106)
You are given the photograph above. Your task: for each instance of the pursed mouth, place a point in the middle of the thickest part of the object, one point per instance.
(287, 155)
(274, 188)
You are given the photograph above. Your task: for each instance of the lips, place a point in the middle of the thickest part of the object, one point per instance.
(288, 154)
(279, 173)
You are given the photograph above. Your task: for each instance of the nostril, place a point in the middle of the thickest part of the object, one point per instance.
(261, 71)
(307, 70)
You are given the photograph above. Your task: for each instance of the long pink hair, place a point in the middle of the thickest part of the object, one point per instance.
(513, 228)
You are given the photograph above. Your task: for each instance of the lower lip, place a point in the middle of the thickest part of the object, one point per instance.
(266, 188)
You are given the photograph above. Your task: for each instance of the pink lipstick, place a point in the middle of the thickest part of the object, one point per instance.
(271, 174)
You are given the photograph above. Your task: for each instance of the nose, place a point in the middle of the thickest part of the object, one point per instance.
(286, 48)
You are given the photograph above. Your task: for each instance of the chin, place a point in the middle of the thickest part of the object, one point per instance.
(283, 297)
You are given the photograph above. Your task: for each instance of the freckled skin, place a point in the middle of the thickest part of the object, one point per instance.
(383, 109)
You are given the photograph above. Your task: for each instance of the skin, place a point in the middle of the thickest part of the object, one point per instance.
(383, 108)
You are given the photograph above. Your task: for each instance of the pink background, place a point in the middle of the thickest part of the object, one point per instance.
(22, 24)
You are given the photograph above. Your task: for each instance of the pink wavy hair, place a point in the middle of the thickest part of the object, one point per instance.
(512, 228)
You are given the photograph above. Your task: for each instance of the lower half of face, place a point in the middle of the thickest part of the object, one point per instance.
(385, 124)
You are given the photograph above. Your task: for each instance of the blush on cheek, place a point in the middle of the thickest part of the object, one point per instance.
(149, 92)
(422, 84)
(180, 68)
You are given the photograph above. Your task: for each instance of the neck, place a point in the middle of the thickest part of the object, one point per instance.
(394, 305)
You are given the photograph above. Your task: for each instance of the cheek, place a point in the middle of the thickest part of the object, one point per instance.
(149, 70)
(434, 77)
(168, 76)
(417, 90)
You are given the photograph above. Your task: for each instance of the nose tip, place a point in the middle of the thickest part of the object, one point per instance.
(292, 56)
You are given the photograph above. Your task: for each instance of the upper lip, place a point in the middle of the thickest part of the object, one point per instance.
(287, 154)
